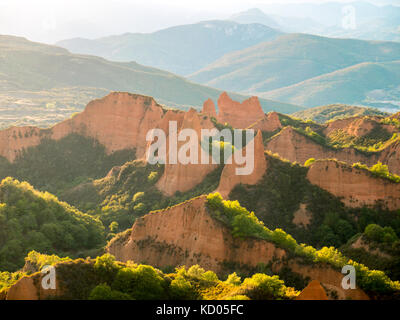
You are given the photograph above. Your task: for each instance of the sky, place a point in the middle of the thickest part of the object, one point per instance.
(53, 20)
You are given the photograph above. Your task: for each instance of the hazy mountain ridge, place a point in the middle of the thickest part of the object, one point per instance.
(181, 49)
(294, 58)
(39, 80)
(371, 21)
(352, 85)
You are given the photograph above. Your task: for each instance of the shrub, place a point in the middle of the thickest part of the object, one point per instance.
(379, 170)
(153, 176)
(376, 233)
(141, 283)
(261, 287)
(104, 292)
(309, 162)
(234, 279)
(182, 289)
(248, 225)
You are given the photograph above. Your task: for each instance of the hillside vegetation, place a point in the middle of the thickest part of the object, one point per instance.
(33, 220)
(284, 189)
(58, 165)
(104, 278)
(245, 224)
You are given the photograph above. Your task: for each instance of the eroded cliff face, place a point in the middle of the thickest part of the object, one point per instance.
(313, 291)
(391, 157)
(230, 178)
(355, 126)
(294, 146)
(30, 288)
(270, 122)
(209, 108)
(238, 115)
(331, 279)
(15, 139)
(355, 187)
(183, 177)
(118, 121)
(187, 234)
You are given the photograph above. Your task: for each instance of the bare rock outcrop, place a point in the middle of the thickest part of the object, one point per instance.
(15, 139)
(313, 291)
(354, 126)
(209, 108)
(330, 278)
(358, 126)
(183, 177)
(270, 122)
(239, 115)
(187, 234)
(296, 147)
(118, 121)
(355, 187)
(229, 178)
(391, 157)
(30, 288)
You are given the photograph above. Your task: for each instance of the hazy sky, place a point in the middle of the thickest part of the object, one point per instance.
(53, 20)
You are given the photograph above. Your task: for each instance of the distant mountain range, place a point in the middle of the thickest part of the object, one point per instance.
(43, 84)
(307, 68)
(351, 85)
(182, 49)
(371, 22)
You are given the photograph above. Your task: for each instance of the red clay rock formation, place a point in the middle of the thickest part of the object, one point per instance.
(187, 234)
(355, 126)
(270, 122)
(355, 187)
(209, 108)
(15, 139)
(329, 278)
(302, 217)
(118, 121)
(313, 291)
(294, 146)
(229, 178)
(391, 157)
(239, 115)
(30, 288)
(183, 177)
